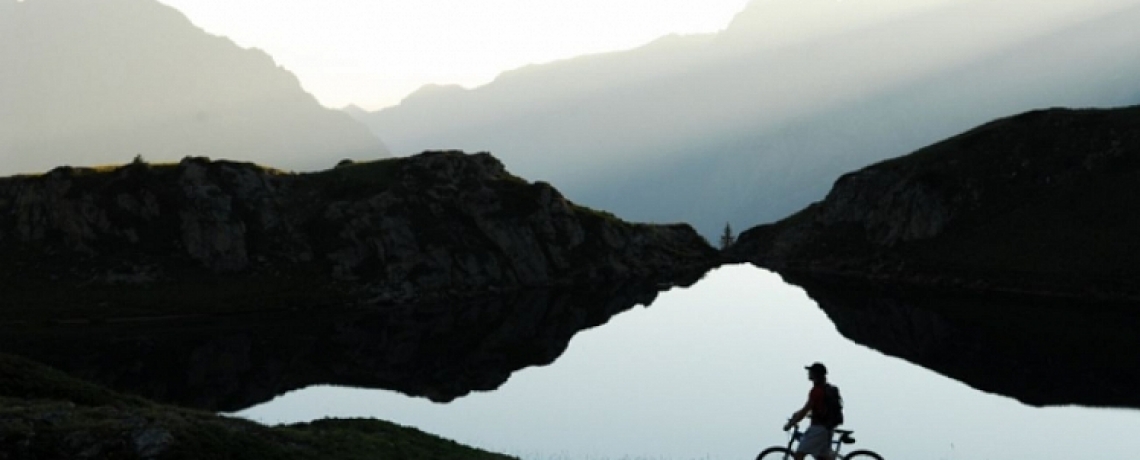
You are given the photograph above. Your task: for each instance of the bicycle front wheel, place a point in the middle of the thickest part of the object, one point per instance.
(862, 455)
(775, 453)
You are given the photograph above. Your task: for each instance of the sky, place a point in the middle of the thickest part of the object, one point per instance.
(372, 53)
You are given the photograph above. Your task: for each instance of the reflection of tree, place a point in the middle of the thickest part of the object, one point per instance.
(726, 238)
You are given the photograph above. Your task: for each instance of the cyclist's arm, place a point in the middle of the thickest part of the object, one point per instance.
(799, 415)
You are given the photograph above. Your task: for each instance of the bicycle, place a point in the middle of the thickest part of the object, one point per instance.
(786, 453)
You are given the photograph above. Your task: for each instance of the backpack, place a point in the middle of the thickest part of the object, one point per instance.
(832, 413)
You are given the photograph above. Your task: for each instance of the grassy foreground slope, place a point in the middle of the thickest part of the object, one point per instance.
(44, 414)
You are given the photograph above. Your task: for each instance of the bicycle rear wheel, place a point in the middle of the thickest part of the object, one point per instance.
(862, 455)
(775, 453)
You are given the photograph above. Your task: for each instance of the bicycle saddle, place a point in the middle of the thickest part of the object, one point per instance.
(845, 436)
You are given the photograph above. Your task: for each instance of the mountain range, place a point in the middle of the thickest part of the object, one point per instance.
(750, 124)
(100, 82)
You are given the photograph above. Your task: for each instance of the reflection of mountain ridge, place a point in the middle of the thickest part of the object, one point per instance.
(1040, 351)
(440, 351)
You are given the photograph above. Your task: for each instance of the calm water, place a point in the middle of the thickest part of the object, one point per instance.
(712, 372)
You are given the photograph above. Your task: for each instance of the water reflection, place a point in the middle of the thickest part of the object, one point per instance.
(1039, 351)
(712, 372)
(438, 351)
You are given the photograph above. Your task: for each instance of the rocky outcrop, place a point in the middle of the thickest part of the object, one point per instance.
(1042, 202)
(224, 236)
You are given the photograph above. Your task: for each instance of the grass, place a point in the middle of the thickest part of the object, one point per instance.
(47, 414)
(21, 379)
(354, 180)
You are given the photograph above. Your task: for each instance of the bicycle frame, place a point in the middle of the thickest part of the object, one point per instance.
(836, 442)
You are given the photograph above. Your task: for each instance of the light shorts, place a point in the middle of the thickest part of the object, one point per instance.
(816, 441)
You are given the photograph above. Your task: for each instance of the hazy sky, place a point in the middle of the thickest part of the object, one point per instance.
(372, 53)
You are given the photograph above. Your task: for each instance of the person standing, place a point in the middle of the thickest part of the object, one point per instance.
(816, 441)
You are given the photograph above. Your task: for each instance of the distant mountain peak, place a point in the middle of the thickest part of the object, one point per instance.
(98, 82)
(755, 122)
(432, 91)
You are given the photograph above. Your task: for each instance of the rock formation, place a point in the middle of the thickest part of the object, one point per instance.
(216, 236)
(1040, 203)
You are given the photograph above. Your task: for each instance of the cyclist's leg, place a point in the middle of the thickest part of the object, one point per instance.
(815, 442)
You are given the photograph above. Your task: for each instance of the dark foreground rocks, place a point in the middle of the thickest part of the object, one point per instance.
(45, 414)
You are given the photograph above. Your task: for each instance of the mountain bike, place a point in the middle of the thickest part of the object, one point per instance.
(786, 453)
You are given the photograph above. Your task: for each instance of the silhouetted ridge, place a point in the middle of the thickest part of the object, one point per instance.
(216, 236)
(1037, 203)
(753, 123)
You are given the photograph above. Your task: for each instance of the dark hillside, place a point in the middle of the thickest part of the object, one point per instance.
(1042, 202)
(45, 414)
(205, 236)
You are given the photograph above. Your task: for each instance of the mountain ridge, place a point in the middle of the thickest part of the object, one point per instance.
(775, 125)
(218, 236)
(1035, 203)
(99, 82)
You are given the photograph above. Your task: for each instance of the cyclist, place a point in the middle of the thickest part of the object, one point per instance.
(816, 440)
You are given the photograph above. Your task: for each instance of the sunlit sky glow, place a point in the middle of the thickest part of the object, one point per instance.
(372, 53)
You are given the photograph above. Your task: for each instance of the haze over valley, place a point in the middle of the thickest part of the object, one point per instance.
(98, 82)
(744, 125)
(750, 124)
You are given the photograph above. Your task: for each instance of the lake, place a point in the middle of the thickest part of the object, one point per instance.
(712, 372)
